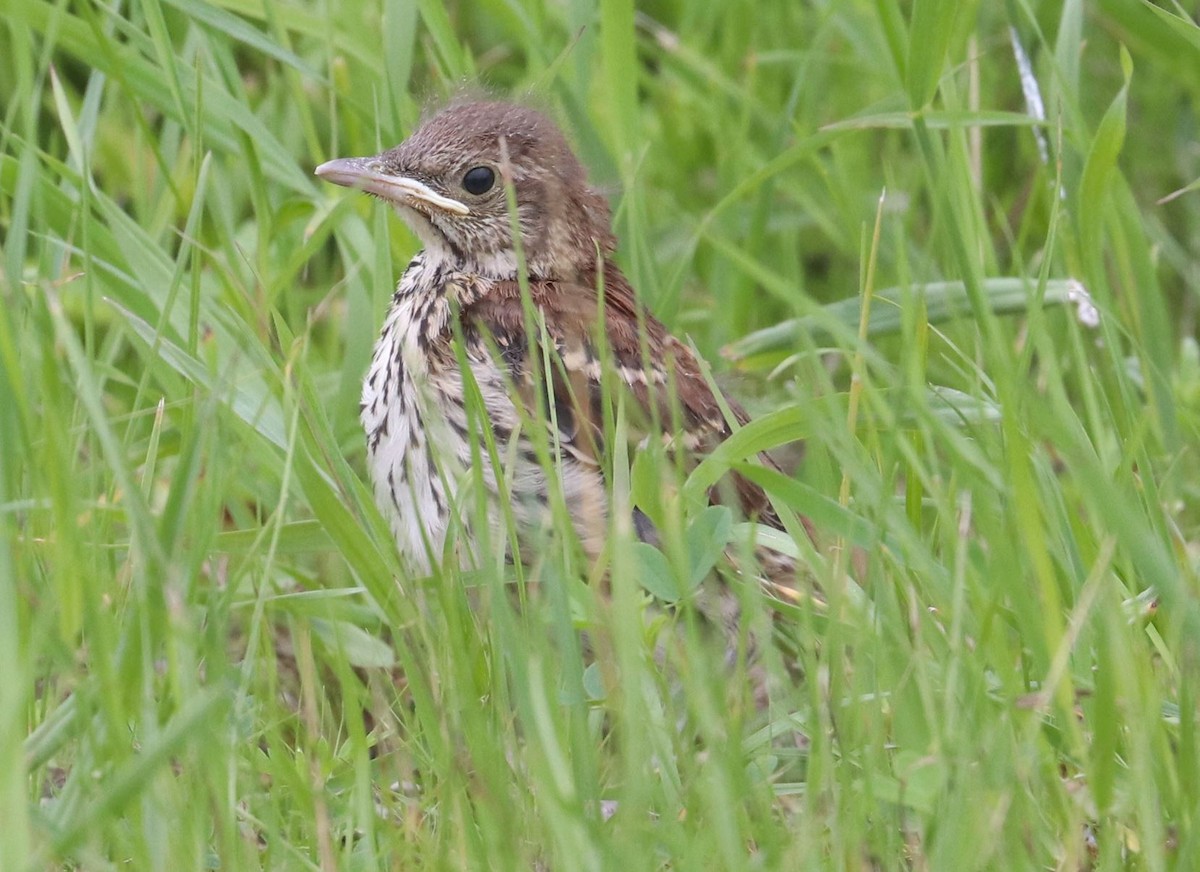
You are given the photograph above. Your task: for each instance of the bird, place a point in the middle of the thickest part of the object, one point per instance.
(510, 223)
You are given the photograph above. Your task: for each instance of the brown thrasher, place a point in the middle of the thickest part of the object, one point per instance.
(447, 181)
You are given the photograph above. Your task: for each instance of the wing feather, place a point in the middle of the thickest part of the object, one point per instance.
(661, 372)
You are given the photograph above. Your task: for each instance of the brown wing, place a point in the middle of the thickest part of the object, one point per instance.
(661, 372)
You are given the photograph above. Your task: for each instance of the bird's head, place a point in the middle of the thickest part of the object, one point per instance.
(447, 182)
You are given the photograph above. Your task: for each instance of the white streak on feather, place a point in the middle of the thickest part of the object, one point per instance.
(419, 456)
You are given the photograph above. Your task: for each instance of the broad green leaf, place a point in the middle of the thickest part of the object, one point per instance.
(654, 573)
(706, 538)
(361, 648)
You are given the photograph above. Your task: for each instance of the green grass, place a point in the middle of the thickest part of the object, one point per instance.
(213, 657)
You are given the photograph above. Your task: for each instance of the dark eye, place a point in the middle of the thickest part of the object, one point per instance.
(478, 180)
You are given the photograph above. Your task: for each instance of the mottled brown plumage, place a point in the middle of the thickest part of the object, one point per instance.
(446, 181)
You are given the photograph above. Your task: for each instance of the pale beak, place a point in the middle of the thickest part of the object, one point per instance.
(366, 174)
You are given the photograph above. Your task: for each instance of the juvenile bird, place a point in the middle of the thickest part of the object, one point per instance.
(447, 181)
